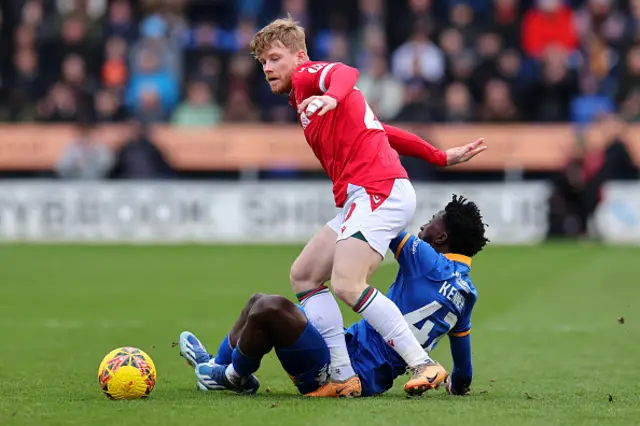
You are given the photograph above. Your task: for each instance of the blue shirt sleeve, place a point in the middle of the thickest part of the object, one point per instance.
(462, 373)
(413, 255)
(463, 325)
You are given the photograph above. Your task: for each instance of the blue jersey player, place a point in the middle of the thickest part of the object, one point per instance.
(432, 289)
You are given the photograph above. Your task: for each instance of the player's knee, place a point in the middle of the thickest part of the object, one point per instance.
(255, 298)
(346, 291)
(268, 309)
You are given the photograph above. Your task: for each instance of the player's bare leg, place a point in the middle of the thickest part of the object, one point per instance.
(236, 330)
(272, 321)
(230, 341)
(354, 263)
(269, 322)
(309, 273)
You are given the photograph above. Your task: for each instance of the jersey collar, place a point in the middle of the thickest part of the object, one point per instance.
(459, 258)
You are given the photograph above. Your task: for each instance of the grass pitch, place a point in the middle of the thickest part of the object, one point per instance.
(555, 336)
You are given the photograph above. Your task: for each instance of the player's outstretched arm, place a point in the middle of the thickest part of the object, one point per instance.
(462, 373)
(411, 145)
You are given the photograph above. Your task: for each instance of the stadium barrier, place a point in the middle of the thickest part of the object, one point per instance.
(618, 216)
(193, 212)
(233, 147)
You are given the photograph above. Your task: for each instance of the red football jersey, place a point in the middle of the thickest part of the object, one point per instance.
(349, 141)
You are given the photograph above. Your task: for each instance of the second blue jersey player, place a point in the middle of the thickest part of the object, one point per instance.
(432, 289)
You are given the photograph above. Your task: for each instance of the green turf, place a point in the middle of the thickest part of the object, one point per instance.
(548, 346)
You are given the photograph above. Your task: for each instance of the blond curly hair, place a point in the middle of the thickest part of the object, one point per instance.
(285, 31)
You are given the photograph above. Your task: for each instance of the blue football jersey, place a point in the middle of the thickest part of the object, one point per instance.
(436, 297)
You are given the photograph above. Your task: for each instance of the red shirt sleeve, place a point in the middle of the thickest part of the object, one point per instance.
(406, 143)
(337, 80)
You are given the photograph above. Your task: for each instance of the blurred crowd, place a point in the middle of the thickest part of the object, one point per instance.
(186, 61)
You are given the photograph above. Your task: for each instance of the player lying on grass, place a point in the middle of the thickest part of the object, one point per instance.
(370, 185)
(432, 290)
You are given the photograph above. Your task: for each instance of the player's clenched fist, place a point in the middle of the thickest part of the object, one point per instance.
(314, 103)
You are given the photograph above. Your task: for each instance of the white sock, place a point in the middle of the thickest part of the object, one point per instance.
(387, 319)
(324, 314)
(232, 374)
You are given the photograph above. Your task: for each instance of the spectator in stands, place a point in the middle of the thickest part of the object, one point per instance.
(25, 37)
(498, 105)
(618, 164)
(451, 43)
(140, 158)
(382, 91)
(108, 107)
(506, 21)
(417, 106)
(59, 106)
(91, 11)
(602, 18)
(371, 13)
(600, 65)
(152, 91)
(115, 72)
(419, 58)
(26, 87)
(240, 76)
(569, 210)
(198, 110)
(208, 70)
(74, 38)
(243, 35)
(590, 103)
(373, 45)
(458, 104)
(630, 108)
(551, 94)
(488, 47)
(154, 37)
(85, 158)
(577, 191)
(547, 24)
(299, 10)
(123, 59)
(630, 76)
(120, 21)
(340, 50)
(401, 20)
(239, 108)
(74, 75)
(461, 17)
(509, 69)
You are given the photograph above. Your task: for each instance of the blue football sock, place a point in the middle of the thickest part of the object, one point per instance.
(243, 364)
(307, 360)
(224, 352)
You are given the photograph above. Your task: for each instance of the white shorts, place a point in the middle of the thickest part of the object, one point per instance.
(378, 224)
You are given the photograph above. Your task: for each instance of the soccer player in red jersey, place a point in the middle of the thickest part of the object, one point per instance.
(370, 185)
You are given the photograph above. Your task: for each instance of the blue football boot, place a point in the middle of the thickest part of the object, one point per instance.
(193, 350)
(213, 376)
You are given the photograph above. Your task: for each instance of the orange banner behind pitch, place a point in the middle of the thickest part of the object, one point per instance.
(229, 147)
